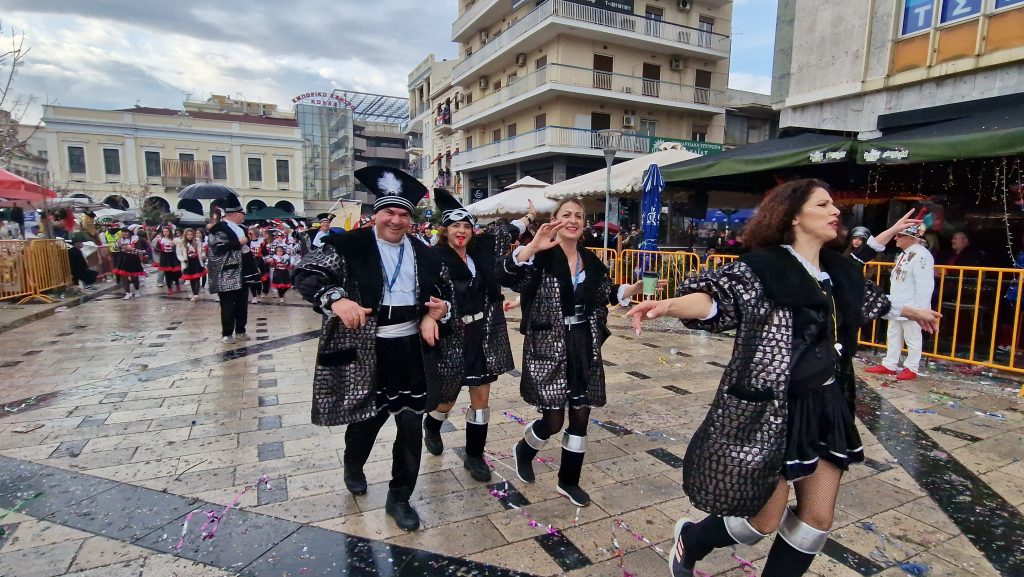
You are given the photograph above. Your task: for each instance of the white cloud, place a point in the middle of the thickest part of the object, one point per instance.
(760, 83)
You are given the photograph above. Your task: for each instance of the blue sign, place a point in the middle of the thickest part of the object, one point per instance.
(1007, 3)
(959, 9)
(428, 213)
(917, 15)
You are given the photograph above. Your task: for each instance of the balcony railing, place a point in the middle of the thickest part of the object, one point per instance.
(184, 172)
(562, 74)
(656, 29)
(557, 136)
(470, 15)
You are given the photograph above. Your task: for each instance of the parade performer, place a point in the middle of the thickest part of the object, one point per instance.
(565, 293)
(256, 249)
(205, 253)
(229, 245)
(190, 252)
(168, 263)
(378, 290)
(281, 272)
(911, 282)
(476, 349)
(783, 412)
(130, 249)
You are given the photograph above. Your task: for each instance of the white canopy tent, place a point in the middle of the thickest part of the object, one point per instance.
(186, 217)
(627, 177)
(514, 201)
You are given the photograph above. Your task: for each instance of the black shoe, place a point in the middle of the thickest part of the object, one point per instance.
(478, 468)
(676, 561)
(523, 454)
(578, 496)
(403, 514)
(432, 441)
(355, 481)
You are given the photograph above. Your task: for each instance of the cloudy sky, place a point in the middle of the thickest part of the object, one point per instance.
(116, 53)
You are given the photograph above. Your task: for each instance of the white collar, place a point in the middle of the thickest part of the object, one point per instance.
(387, 242)
(813, 270)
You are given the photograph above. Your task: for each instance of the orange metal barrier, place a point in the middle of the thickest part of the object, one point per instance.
(28, 268)
(672, 266)
(717, 261)
(609, 256)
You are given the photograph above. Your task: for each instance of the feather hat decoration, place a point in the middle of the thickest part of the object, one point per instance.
(393, 187)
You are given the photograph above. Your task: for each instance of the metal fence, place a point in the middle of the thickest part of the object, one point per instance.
(30, 268)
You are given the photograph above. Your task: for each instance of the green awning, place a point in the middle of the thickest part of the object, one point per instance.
(806, 149)
(990, 133)
(269, 213)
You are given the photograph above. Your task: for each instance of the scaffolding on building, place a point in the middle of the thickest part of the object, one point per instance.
(376, 107)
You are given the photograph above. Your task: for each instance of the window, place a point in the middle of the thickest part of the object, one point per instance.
(702, 84)
(653, 16)
(511, 78)
(603, 66)
(220, 167)
(111, 162)
(541, 62)
(469, 98)
(496, 86)
(648, 126)
(152, 163)
(510, 131)
(76, 159)
(540, 121)
(706, 24)
(700, 132)
(255, 170)
(496, 135)
(282, 171)
(469, 143)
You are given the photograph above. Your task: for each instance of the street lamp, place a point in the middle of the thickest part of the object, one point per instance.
(609, 140)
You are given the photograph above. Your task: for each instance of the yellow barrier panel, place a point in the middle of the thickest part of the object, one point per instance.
(30, 268)
(609, 256)
(13, 276)
(717, 261)
(672, 266)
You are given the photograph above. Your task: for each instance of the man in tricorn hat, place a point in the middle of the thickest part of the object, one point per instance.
(378, 290)
(228, 242)
(322, 232)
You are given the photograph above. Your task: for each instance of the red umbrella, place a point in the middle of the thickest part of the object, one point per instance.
(14, 187)
(612, 228)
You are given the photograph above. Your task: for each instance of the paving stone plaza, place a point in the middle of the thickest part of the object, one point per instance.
(121, 418)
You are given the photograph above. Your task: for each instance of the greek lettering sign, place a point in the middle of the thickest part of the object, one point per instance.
(917, 15)
(885, 154)
(620, 6)
(325, 99)
(694, 146)
(959, 9)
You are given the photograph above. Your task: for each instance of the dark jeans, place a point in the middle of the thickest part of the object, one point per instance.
(234, 312)
(405, 453)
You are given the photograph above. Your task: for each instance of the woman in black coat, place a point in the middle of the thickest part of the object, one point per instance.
(783, 412)
(565, 296)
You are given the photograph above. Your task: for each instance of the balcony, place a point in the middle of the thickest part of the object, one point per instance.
(178, 173)
(384, 152)
(561, 16)
(464, 24)
(414, 144)
(557, 79)
(443, 123)
(548, 140)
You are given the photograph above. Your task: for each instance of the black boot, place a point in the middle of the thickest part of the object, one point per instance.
(700, 539)
(794, 548)
(402, 512)
(476, 438)
(573, 450)
(526, 450)
(432, 422)
(355, 481)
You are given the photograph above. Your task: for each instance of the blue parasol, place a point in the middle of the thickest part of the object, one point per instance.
(650, 214)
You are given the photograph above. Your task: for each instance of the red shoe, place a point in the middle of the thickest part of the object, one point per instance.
(880, 370)
(906, 375)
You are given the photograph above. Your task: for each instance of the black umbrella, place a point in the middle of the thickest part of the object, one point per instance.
(206, 190)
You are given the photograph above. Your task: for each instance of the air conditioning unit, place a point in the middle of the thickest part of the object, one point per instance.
(483, 82)
(685, 4)
(460, 98)
(675, 63)
(629, 121)
(521, 59)
(484, 36)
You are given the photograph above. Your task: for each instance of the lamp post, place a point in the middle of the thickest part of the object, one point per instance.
(609, 140)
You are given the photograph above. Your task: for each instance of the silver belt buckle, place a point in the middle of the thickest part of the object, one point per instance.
(574, 320)
(472, 318)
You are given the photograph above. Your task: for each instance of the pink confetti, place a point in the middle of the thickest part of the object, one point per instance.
(514, 417)
(209, 528)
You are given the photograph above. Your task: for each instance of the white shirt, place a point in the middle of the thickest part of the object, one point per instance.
(318, 240)
(404, 291)
(912, 279)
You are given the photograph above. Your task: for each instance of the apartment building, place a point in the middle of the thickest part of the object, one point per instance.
(432, 142)
(841, 65)
(144, 156)
(538, 80)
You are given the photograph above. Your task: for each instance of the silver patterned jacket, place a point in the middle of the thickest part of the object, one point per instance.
(546, 290)
(735, 458)
(346, 362)
(224, 262)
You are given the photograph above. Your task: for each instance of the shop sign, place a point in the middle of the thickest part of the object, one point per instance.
(1007, 3)
(917, 15)
(695, 146)
(325, 99)
(826, 156)
(959, 9)
(620, 6)
(884, 155)
(476, 194)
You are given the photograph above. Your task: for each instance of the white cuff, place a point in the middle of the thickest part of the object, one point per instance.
(895, 313)
(519, 226)
(873, 243)
(714, 311)
(448, 314)
(623, 300)
(515, 257)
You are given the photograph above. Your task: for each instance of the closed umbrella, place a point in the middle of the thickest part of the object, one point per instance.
(650, 207)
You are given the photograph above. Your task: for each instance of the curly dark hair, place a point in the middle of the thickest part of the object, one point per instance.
(773, 223)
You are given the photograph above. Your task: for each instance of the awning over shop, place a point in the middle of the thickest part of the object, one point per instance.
(806, 149)
(627, 177)
(981, 134)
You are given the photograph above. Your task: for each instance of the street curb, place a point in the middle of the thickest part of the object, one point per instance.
(68, 303)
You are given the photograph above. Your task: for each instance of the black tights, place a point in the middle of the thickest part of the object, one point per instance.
(553, 420)
(194, 283)
(254, 290)
(281, 292)
(129, 281)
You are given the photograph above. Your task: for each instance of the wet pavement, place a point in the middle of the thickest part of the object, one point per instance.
(120, 420)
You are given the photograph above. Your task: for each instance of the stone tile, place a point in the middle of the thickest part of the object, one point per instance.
(926, 511)
(336, 554)
(35, 533)
(632, 466)
(270, 451)
(636, 494)
(373, 524)
(161, 412)
(168, 566)
(866, 497)
(558, 512)
(318, 483)
(104, 513)
(43, 561)
(592, 537)
(959, 552)
(460, 539)
(526, 556)
(130, 568)
(101, 552)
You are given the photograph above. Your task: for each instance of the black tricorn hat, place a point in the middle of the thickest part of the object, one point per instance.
(451, 209)
(230, 203)
(392, 186)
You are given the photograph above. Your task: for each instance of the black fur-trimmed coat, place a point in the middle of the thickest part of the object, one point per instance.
(734, 460)
(547, 297)
(497, 350)
(346, 364)
(224, 262)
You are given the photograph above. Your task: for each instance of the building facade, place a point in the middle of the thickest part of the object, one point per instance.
(143, 156)
(749, 118)
(23, 150)
(840, 65)
(432, 142)
(538, 80)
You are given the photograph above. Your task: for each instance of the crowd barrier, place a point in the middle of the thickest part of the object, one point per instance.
(30, 268)
(981, 307)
